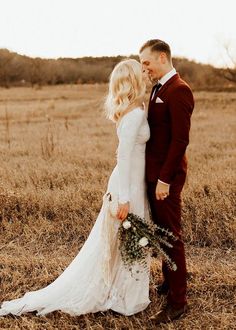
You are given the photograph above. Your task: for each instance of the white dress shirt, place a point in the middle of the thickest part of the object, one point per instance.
(167, 76)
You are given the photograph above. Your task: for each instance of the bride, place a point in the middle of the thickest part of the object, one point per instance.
(96, 280)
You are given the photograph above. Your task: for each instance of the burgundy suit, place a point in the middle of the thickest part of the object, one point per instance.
(166, 160)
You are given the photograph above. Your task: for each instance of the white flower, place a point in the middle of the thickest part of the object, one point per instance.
(174, 267)
(143, 241)
(126, 224)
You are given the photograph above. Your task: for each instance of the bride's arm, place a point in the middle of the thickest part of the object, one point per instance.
(127, 138)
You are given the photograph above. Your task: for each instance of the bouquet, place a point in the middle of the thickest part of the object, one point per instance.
(137, 239)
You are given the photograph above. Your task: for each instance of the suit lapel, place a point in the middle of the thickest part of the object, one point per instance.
(165, 86)
(161, 90)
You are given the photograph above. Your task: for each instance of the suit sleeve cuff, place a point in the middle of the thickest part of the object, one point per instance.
(163, 182)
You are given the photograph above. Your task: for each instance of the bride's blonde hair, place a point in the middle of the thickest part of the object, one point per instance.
(126, 89)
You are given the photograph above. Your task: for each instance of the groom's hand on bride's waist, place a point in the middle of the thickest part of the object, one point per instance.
(162, 190)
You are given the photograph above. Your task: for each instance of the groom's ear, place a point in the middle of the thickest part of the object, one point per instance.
(163, 57)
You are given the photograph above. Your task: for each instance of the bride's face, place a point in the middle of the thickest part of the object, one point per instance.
(152, 63)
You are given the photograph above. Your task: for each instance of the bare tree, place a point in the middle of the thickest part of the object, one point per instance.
(35, 71)
(230, 72)
(5, 60)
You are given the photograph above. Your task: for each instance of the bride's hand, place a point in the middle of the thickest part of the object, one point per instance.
(123, 210)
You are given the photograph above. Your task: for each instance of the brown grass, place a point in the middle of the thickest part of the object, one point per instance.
(57, 152)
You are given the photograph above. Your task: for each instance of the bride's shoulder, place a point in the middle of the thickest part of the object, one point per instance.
(140, 109)
(139, 113)
(136, 112)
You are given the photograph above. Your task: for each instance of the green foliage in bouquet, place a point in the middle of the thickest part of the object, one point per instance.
(138, 238)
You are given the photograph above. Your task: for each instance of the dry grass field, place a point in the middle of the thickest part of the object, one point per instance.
(57, 152)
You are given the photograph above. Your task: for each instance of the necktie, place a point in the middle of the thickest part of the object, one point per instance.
(156, 89)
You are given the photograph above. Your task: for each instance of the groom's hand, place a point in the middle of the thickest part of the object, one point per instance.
(123, 210)
(162, 190)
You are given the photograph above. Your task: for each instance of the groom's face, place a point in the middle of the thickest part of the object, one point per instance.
(152, 63)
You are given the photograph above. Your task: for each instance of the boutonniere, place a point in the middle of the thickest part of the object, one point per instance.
(158, 100)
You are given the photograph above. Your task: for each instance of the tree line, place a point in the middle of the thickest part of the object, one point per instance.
(20, 70)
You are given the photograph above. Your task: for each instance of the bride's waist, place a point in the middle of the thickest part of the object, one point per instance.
(137, 168)
(138, 154)
(139, 148)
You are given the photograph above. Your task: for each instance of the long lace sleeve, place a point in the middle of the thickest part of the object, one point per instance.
(128, 133)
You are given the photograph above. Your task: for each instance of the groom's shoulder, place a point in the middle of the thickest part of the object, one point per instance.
(179, 82)
(180, 85)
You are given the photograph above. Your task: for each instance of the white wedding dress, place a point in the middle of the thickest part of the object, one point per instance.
(96, 280)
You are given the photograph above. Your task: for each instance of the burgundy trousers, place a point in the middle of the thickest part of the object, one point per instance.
(167, 214)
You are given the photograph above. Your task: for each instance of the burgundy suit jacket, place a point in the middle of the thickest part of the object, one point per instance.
(169, 126)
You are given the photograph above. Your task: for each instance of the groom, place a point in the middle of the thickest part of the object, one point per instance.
(170, 107)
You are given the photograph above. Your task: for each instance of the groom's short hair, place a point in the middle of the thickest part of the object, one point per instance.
(157, 45)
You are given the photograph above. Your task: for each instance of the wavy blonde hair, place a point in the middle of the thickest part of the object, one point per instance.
(126, 89)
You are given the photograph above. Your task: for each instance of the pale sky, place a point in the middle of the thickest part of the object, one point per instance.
(194, 29)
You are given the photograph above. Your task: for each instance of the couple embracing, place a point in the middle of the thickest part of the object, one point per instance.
(150, 171)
